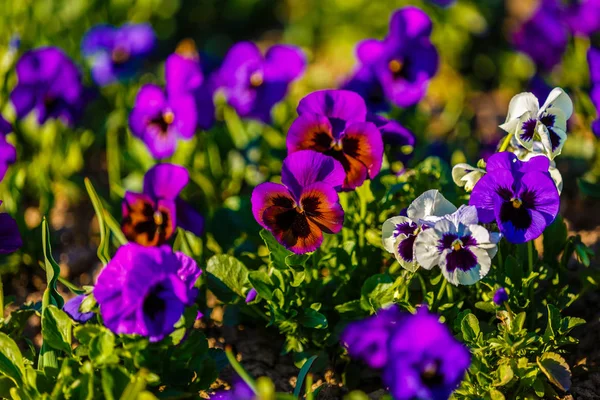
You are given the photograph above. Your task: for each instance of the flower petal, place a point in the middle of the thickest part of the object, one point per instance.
(270, 194)
(392, 228)
(284, 63)
(409, 23)
(321, 205)
(310, 131)
(341, 104)
(362, 141)
(305, 167)
(165, 181)
(188, 218)
(559, 99)
(426, 248)
(485, 193)
(183, 75)
(518, 106)
(10, 237)
(430, 203)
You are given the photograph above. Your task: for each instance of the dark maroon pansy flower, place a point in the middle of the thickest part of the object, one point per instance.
(334, 122)
(151, 217)
(253, 83)
(298, 211)
(399, 68)
(49, 83)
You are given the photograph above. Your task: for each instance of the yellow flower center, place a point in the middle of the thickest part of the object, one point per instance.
(395, 66)
(337, 145)
(168, 117)
(516, 203)
(158, 218)
(457, 245)
(256, 79)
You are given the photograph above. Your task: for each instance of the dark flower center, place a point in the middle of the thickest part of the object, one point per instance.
(163, 121)
(515, 209)
(119, 55)
(146, 225)
(375, 94)
(50, 103)
(154, 305)
(431, 375)
(460, 256)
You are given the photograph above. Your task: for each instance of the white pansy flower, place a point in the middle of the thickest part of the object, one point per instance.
(459, 246)
(547, 125)
(466, 175)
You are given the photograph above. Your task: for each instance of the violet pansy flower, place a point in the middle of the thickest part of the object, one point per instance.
(151, 217)
(544, 36)
(520, 196)
(71, 308)
(298, 211)
(547, 125)
(10, 237)
(144, 290)
(253, 83)
(116, 53)
(240, 391)
(400, 140)
(593, 57)
(161, 118)
(459, 246)
(8, 153)
(399, 233)
(334, 122)
(49, 83)
(417, 354)
(582, 16)
(500, 296)
(400, 67)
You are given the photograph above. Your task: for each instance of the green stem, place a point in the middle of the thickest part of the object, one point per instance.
(1, 299)
(505, 143)
(237, 367)
(530, 256)
(309, 383)
(438, 298)
(362, 227)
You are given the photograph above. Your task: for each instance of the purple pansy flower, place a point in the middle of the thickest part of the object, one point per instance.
(144, 290)
(71, 307)
(334, 122)
(582, 16)
(500, 296)
(417, 354)
(520, 196)
(151, 217)
(49, 83)
(399, 233)
(400, 140)
(399, 67)
(544, 36)
(593, 57)
(10, 237)
(253, 83)
(240, 391)
(298, 211)
(251, 296)
(160, 118)
(8, 153)
(442, 3)
(462, 249)
(425, 360)
(117, 53)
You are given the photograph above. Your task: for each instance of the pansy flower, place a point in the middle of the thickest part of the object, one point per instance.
(8, 153)
(466, 176)
(538, 151)
(543, 36)
(161, 118)
(425, 360)
(298, 211)
(253, 83)
(399, 233)
(150, 218)
(582, 16)
(49, 83)
(72, 309)
(239, 391)
(519, 195)
(399, 139)
(500, 296)
(10, 237)
(116, 53)
(333, 122)
(400, 67)
(593, 57)
(144, 290)
(548, 125)
(459, 246)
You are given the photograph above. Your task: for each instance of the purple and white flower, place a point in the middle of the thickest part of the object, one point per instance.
(547, 125)
(399, 233)
(466, 176)
(459, 246)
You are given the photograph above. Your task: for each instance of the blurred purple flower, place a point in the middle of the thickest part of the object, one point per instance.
(160, 118)
(151, 217)
(240, 391)
(144, 290)
(397, 69)
(539, 87)
(442, 3)
(116, 53)
(8, 153)
(251, 296)
(71, 307)
(10, 237)
(520, 196)
(501, 296)
(253, 83)
(418, 355)
(298, 211)
(49, 83)
(334, 122)
(593, 57)
(582, 16)
(400, 140)
(543, 37)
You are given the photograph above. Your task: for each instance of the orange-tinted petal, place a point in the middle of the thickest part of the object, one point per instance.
(320, 203)
(146, 222)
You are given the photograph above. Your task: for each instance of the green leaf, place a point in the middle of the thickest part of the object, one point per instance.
(313, 319)
(470, 327)
(102, 349)
(114, 381)
(350, 309)
(261, 281)
(504, 374)
(496, 395)
(51, 295)
(230, 271)
(555, 238)
(297, 277)
(277, 253)
(56, 329)
(514, 271)
(556, 370)
(11, 360)
(554, 322)
(569, 323)
(296, 260)
(303, 372)
(485, 306)
(103, 248)
(378, 292)
(539, 388)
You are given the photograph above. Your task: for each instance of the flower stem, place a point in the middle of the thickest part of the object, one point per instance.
(438, 298)
(530, 256)
(505, 143)
(309, 383)
(237, 367)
